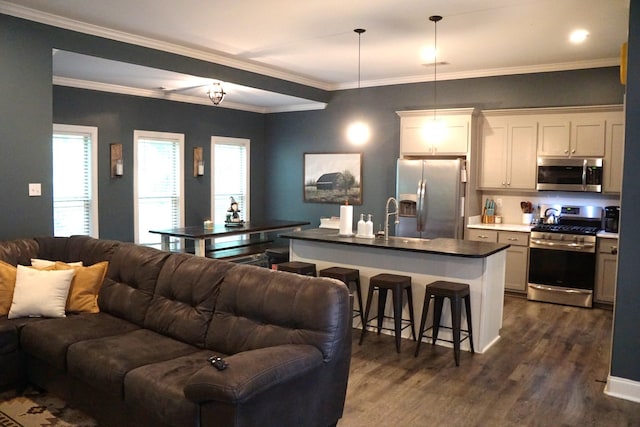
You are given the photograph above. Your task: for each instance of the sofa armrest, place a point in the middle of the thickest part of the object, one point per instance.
(252, 372)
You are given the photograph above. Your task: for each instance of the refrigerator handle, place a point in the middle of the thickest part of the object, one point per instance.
(421, 208)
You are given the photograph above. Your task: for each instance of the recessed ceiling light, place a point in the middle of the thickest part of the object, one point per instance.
(578, 36)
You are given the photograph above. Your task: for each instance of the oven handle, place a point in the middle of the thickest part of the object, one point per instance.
(569, 291)
(564, 245)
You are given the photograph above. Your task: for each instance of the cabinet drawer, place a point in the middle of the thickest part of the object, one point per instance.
(608, 246)
(480, 235)
(513, 238)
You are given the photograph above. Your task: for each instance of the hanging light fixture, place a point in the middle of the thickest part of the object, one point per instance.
(216, 93)
(358, 132)
(435, 130)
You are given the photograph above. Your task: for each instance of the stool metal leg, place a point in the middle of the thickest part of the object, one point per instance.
(423, 321)
(366, 314)
(437, 314)
(397, 315)
(456, 314)
(359, 296)
(467, 306)
(410, 304)
(382, 302)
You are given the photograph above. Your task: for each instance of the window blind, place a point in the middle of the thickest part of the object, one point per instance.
(230, 179)
(72, 184)
(158, 187)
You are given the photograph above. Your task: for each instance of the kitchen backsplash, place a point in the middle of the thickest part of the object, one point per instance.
(508, 205)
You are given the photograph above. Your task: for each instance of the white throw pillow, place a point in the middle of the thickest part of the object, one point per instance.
(40, 293)
(44, 263)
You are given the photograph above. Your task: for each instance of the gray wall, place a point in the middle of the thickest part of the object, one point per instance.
(290, 135)
(625, 358)
(117, 116)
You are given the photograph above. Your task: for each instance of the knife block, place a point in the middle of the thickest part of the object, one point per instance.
(488, 219)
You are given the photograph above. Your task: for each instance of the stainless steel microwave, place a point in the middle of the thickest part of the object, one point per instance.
(570, 174)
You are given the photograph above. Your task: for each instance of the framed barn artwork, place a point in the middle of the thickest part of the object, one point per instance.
(333, 178)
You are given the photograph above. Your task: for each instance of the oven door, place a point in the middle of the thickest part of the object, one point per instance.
(561, 276)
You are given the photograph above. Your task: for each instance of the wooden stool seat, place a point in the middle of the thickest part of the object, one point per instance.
(304, 268)
(276, 255)
(347, 276)
(456, 292)
(396, 283)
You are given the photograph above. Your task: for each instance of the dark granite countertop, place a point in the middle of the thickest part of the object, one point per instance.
(440, 246)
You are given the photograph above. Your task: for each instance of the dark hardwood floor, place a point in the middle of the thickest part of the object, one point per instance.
(548, 369)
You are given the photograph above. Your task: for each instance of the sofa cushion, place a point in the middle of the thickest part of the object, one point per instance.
(89, 250)
(40, 292)
(131, 280)
(260, 308)
(53, 248)
(50, 339)
(185, 296)
(18, 251)
(104, 362)
(159, 387)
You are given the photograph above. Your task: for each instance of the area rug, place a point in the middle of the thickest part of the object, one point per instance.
(37, 408)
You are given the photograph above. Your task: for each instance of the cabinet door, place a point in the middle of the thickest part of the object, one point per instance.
(455, 139)
(415, 138)
(553, 139)
(587, 137)
(516, 268)
(493, 172)
(606, 278)
(412, 136)
(614, 155)
(521, 166)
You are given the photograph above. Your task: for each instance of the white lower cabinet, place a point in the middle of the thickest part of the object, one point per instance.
(516, 274)
(606, 270)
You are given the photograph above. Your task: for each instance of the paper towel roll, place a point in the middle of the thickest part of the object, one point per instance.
(346, 220)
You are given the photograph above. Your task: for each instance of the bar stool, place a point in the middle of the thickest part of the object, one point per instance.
(347, 276)
(396, 283)
(276, 255)
(456, 292)
(304, 268)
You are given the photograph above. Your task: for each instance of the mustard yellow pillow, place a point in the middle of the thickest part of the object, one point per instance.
(7, 284)
(86, 283)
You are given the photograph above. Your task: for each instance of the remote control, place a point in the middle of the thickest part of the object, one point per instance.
(218, 362)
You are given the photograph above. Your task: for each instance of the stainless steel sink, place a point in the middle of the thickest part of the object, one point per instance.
(412, 240)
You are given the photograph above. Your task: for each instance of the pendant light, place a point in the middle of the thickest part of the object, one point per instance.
(435, 130)
(358, 132)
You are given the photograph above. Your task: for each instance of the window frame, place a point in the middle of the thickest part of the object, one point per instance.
(92, 131)
(155, 135)
(246, 143)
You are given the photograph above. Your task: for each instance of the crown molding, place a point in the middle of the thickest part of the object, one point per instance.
(121, 36)
(176, 97)
(490, 72)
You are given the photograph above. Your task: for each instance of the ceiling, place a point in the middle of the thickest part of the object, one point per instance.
(313, 42)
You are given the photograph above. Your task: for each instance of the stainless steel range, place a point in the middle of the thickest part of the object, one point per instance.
(562, 256)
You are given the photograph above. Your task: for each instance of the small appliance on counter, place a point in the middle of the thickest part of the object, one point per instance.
(611, 219)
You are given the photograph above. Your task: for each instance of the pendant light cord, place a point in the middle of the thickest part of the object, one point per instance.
(435, 19)
(359, 31)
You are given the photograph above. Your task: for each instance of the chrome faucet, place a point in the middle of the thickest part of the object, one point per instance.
(388, 214)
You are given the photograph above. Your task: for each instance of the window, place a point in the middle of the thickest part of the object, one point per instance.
(158, 184)
(75, 183)
(230, 160)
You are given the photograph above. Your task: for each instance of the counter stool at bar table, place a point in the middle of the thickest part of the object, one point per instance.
(456, 292)
(396, 283)
(304, 268)
(347, 276)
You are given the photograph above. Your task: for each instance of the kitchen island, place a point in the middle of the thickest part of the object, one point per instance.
(479, 264)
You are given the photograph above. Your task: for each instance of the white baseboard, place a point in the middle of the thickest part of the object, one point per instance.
(623, 388)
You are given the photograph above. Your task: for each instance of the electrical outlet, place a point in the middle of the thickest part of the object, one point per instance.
(499, 203)
(35, 189)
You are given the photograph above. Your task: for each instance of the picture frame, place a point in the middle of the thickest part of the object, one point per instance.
(332, 178)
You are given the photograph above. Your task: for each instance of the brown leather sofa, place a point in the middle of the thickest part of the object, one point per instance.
(142, 361)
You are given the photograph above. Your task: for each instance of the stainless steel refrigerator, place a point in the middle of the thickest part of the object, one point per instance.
(430, 196)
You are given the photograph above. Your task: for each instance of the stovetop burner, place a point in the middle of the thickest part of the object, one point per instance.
(567, 229)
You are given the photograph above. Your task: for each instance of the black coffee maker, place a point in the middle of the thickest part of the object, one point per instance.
(611, 218)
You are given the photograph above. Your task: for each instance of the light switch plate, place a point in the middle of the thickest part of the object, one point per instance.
(35, 189)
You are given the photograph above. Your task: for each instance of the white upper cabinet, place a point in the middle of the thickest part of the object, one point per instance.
(572, 135)
(614, 154)
(419, 136)
(508, 153)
